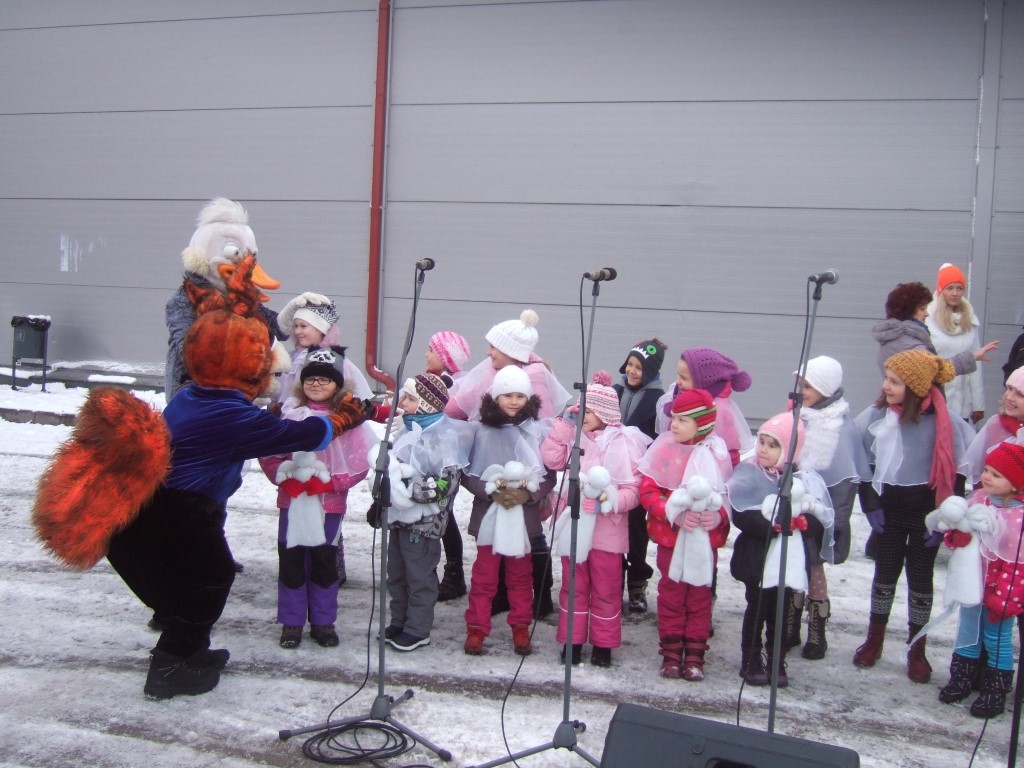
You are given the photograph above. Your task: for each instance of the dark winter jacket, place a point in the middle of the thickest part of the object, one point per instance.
(638, 405)
(492, 417)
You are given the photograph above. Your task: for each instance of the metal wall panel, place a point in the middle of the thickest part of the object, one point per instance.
(264, 62)
(274, 154)
(30, 14)
(875, 155)
(666, 50)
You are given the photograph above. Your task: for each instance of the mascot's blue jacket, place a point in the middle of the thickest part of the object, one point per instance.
(214, 431)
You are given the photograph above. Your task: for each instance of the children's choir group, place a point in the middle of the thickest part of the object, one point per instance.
(679, 468)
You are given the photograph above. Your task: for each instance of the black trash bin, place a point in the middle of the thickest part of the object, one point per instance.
(29, 343)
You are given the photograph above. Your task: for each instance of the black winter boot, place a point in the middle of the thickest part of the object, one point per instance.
(783, 676)
(962, 672)
(171, 675)
(453, 585)
(542, 583)
(752, 666)
(637, 593)
(992, 700)
(818, 612)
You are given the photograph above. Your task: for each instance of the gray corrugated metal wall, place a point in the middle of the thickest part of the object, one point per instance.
(715, 154)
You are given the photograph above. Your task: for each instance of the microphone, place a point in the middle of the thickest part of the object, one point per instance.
(608, 273)
(828, 277)
(425, 265)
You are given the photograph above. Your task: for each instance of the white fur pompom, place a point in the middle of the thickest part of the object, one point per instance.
(529, 318)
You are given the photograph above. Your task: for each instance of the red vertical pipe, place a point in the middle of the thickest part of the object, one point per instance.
(380, 110)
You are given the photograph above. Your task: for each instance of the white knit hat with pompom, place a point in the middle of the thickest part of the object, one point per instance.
(516, 338)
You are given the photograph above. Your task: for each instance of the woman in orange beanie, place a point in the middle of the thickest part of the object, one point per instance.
(954, 328)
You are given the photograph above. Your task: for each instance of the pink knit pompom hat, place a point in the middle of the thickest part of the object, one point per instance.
(451, 348)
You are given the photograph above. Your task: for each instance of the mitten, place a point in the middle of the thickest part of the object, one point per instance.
(287, 315)
(677, 502)
(292, 487)
(876, 519)
(562, 431)
(349, 412)
(512, 497)
(935, 538)
(710, 519)
(373, 515)
(315, 486)
(589, 506)
(424, 490)
(691, 521)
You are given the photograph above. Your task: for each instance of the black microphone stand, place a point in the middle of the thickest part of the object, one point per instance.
(567, 730)
(785, 514)
(383, 704)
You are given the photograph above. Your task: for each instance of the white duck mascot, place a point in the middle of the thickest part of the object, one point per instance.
(221, 241)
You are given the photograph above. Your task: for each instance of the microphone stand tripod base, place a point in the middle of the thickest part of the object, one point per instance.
(565, 738)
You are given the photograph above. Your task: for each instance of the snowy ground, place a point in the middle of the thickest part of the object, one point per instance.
(74, 653)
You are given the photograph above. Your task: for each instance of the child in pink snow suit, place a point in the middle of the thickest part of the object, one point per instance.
(509, 483)
(990, 624)
(684, 474)
(710, 370)
(610, 453)
(308, 581)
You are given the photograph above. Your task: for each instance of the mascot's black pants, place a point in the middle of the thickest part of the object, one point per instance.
(175, 558)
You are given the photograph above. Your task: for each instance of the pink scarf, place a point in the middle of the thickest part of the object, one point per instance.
(943, 472)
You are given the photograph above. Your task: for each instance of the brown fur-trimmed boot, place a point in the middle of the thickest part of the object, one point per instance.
(918, 668)
(871, 650)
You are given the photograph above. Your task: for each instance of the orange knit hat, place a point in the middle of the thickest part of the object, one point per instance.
(920, 370)
(950, 273)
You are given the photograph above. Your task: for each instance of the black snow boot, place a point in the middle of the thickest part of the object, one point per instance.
(453, 584)
(962, 672)
(171, 675)
(992, 700)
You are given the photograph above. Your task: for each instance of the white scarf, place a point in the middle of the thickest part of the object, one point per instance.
(822, 434)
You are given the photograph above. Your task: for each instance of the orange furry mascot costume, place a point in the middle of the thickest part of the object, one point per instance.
(151, 493)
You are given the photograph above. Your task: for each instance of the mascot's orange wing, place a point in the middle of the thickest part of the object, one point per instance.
(242, 296)
(115, 459)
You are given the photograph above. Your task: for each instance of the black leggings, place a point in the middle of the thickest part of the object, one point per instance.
(902, 547)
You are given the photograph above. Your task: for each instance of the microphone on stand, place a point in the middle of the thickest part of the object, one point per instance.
(828, 277)
(608, 273)
(425, 265)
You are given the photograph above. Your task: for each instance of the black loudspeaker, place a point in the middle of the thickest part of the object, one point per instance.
(640, 737)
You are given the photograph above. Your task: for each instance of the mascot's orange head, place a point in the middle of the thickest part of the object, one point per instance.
(226, 350)
(228, 345)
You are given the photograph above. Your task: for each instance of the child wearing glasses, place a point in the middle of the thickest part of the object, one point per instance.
(307, 542)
